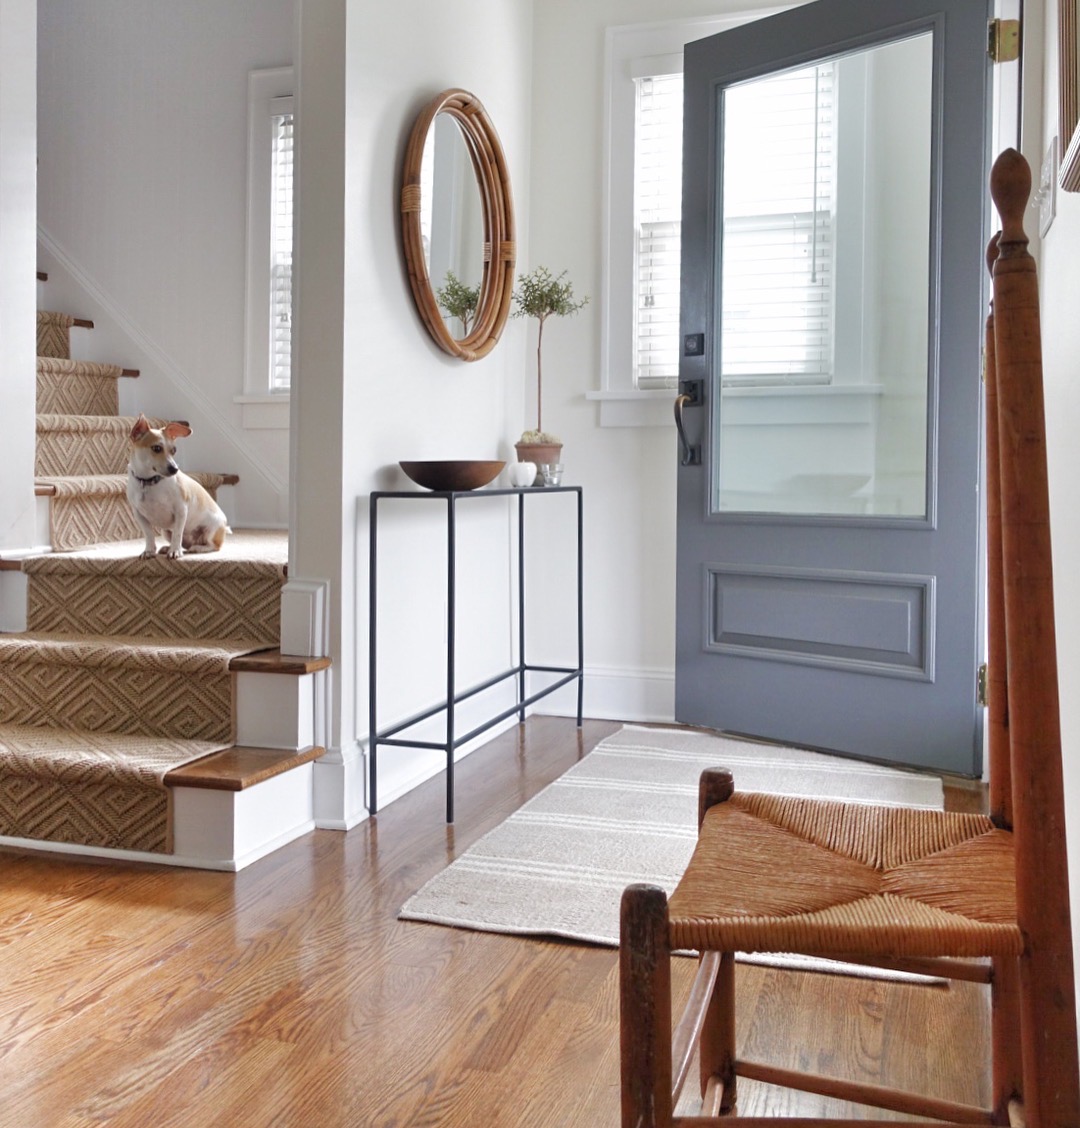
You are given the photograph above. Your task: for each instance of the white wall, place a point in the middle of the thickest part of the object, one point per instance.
(143, 171)
(628, 473)
(1060, 281)
(18, 207)
(372, 387)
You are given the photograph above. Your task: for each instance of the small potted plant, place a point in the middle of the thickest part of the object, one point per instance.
(458, 300)
(541, 294)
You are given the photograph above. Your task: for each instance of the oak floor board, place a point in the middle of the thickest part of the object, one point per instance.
(290, 996)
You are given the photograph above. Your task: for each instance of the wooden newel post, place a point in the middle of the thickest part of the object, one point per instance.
(1049, 1048)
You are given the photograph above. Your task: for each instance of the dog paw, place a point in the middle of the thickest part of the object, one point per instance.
(147, 554)
(170, 553)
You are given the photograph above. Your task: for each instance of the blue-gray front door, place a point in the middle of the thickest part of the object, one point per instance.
(833, 234)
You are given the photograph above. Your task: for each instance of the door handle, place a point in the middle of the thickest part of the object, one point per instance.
(691, 453)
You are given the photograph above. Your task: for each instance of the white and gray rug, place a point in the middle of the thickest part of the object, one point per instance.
(628, 812)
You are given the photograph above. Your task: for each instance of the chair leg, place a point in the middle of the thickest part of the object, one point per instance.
(645, 1008)
(1005, 1034)
(717, 1045)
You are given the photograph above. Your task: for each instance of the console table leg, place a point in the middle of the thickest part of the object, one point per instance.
(451, 653)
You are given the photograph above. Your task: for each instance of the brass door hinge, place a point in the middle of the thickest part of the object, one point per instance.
(1003, 40)
(982, 692)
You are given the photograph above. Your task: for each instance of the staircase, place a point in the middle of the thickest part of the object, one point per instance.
(145, 711)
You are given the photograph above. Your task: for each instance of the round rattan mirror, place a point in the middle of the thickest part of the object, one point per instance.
(457, 219)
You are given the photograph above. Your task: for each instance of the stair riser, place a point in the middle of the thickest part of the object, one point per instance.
(54, 334)
(134, 701)
(75, 522)
(152, 605)
(82, 451)
(61, 394)
(96, 815)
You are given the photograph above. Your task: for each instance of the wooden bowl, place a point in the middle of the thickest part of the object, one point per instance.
(463, 474)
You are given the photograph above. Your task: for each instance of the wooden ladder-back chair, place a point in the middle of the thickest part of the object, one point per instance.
(974, 897)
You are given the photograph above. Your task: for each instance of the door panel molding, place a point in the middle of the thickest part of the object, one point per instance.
(843, 619)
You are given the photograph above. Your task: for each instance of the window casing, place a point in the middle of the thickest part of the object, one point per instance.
(636, 52)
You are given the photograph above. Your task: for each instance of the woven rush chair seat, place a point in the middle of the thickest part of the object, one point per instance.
(846, 878)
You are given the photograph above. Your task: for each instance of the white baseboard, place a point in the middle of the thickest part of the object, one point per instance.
(616, 694)
(341, 788)
(610, 694)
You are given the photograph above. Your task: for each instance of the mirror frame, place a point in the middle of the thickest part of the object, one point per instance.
(1068, 96)
(496, 201)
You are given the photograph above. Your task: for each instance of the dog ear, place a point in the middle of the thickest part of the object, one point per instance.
(141, 428)
(178, 429)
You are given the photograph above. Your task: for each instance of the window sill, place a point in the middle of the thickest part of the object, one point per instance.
(264, 412)
(812, 403)
(633, 408)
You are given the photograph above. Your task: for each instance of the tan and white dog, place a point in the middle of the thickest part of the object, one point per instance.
(164, 497)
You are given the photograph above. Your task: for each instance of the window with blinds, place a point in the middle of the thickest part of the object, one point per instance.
(281, 246)
(657, 219)
(777, 229)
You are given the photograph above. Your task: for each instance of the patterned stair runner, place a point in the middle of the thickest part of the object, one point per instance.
(77, 387)
(54, 334)
(124, 671)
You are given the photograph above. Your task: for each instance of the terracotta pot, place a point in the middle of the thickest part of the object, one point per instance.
(539, 453)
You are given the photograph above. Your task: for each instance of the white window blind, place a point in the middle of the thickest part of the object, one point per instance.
(281, 240)
(657, 219)
(777, 230)
(777, 233)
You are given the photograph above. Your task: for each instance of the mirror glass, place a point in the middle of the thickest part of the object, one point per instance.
(452, 221)
(825, 287)
(458, 225)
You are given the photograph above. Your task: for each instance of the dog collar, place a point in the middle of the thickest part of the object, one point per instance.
(147, 481)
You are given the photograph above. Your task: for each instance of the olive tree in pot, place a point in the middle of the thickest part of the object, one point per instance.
(541, 294)
(458, 300)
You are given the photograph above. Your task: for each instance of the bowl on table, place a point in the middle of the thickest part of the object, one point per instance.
(454, 474)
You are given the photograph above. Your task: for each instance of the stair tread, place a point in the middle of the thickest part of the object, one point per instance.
(262, 550)
(122, 651)
(30, 748)
(272, 661)
(64, 366)
(113, 424)
(240, 767)
(102, 485)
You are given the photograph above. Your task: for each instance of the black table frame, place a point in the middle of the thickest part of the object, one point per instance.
(567, 674)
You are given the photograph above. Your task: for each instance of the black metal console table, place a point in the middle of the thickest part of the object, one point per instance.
(390, 736)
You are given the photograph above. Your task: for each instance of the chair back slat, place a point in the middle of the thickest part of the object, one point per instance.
(1048, 1014)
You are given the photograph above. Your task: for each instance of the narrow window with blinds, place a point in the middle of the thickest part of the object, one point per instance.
(264, 402)
(657, 220)
(777, 230)
(281, 245)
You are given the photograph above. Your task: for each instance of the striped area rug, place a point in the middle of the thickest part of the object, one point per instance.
(628, 812)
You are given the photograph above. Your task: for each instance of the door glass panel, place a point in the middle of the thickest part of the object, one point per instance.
(823, 340)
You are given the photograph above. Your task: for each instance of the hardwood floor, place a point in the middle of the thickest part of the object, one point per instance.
(289, 994)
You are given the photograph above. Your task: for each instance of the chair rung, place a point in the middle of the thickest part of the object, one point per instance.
(880, 1096)
(684, 1039)
(970, 971)
(803, 1122)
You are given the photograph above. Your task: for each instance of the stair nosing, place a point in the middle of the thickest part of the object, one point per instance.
(278, 761)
